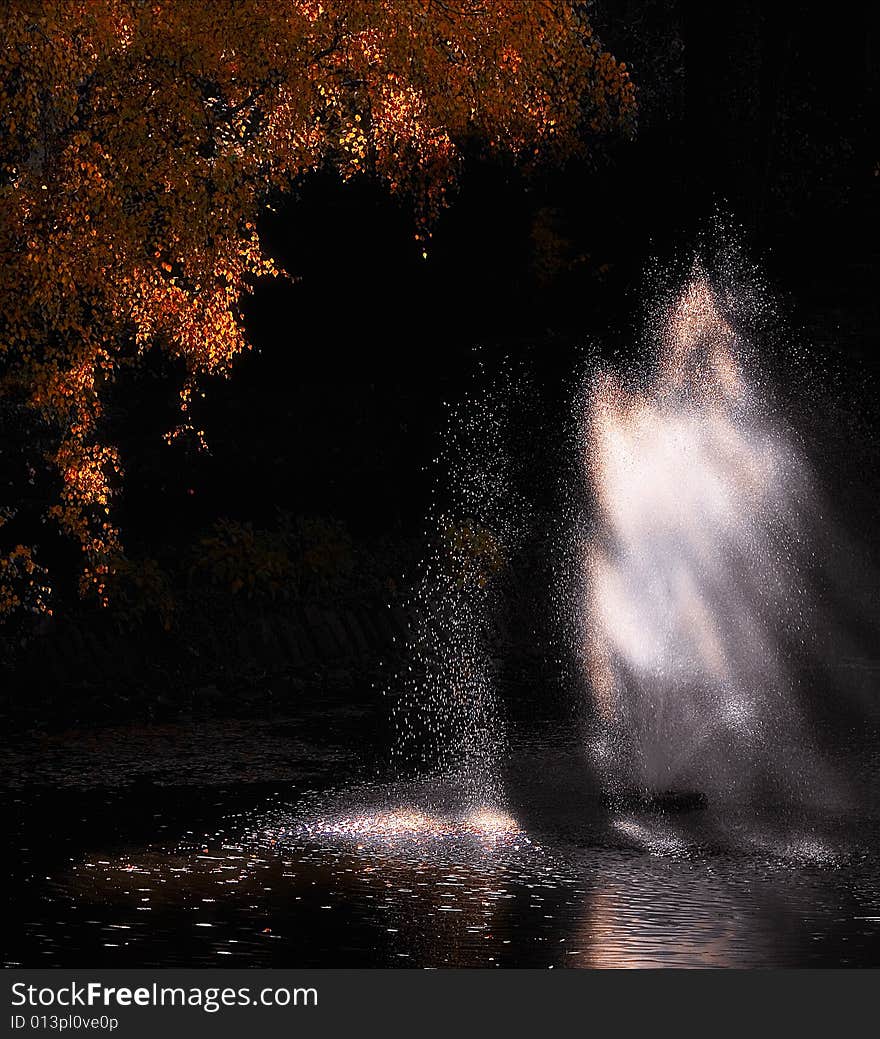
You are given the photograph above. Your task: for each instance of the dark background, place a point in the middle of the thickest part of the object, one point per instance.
(767, 110)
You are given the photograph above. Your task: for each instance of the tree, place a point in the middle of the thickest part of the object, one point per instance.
(142, 138)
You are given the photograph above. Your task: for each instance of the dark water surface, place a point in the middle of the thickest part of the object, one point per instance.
(257, 844)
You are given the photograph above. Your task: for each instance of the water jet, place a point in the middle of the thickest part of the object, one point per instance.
(694, 575)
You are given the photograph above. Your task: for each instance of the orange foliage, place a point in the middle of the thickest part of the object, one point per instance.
(22, 584)
(140, 139)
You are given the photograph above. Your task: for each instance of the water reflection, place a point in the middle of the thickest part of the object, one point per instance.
(386, 884)
(685, 914)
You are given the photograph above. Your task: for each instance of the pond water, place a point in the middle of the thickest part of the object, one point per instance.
(245, 844)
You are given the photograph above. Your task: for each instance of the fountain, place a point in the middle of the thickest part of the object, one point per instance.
(695, 597)
(445, 710)
(694, 611)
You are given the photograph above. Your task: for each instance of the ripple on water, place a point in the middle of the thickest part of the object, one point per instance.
(402, 880)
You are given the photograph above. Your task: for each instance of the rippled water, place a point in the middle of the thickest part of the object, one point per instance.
(339, 872)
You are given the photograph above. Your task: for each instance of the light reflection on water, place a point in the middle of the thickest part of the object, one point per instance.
(399, 885)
